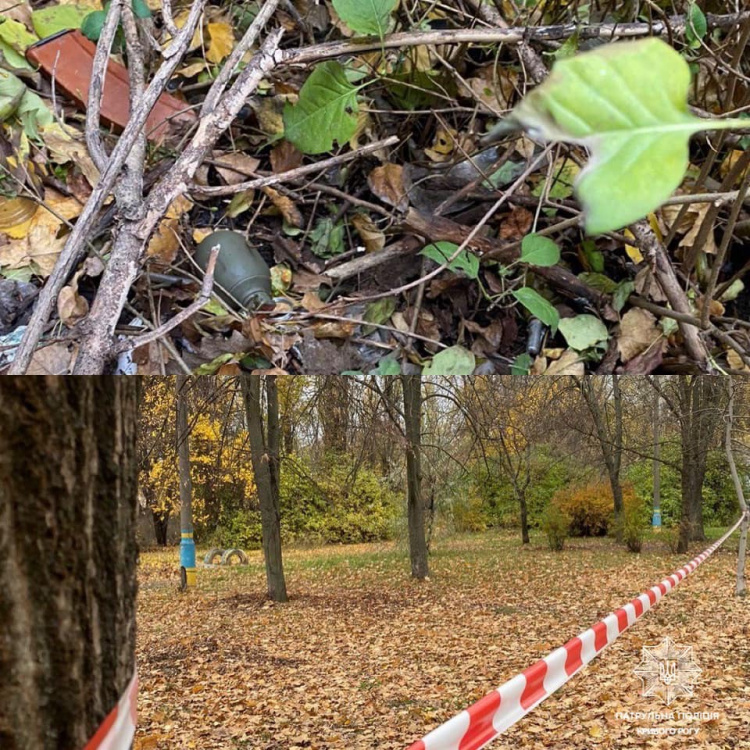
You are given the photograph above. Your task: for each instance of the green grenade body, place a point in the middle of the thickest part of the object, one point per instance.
(240, 270)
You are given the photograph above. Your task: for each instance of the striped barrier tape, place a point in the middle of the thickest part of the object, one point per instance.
(477, 725)
(118, 729)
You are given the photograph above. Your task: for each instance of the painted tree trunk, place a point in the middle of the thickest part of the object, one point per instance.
(412, 386)
(187, 543)
(68, 502)
(264, 450)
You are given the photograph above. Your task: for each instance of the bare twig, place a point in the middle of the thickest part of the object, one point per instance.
(98, 74)
(124, 265)
(75, 245)
(721, 253)
(292, 174)
(203, 297)
(656, 254)
(515, 35)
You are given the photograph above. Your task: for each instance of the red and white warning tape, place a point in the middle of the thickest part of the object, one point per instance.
(474, 727)
(118, 729)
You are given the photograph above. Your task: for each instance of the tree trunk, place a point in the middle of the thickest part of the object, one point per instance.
(656, 518)
(264, 450)
(412, 386)
(68, 502)
(161, 526)
(521, 496)
(187, 544)
(610, 445)
(700, 399)
(740, 586)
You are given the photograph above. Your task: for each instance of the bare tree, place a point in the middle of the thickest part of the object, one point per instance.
(68, 499)
(264, 449)
(608, 424)
(697, 403)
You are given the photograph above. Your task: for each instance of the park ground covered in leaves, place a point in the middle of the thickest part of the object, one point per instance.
(362, 657)
(397, 236)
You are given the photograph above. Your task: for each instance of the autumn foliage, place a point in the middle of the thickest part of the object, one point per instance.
(590, 507)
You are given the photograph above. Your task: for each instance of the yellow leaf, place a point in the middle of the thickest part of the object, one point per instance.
(632, 251)
(221, 41)
(15, 216)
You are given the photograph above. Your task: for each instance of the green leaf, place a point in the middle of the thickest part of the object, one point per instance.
(538, 306)
(455, 360)
(326, 111)
(594, 257)
(370, 17)
(521, 364)
(92, 25)
(539, 251)
(583, 331)
(210, 368)
(12, 90)
(327, 238)
(15, 35)
(378, 311)
(140, 9)
(54, 18)
(627, 104)
(599, 281)
(621, 294)
(33, 114)
(696, 27)
(465, 261)
(387, 366)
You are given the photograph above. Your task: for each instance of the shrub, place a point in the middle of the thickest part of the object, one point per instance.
(591, 506)
(239, 529)
(635, 523)
(469, 515)
(555, 524)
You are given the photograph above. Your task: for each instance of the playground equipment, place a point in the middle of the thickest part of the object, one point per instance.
(479, 724)
(225, 557)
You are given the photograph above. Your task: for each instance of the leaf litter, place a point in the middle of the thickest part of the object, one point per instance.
(363, 657)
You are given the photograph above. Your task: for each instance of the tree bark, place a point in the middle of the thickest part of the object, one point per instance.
(264, 450)
(68, 502)
(741, 585)
(412, 387)
(700, 400)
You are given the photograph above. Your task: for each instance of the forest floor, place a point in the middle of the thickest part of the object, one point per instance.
(361, 657)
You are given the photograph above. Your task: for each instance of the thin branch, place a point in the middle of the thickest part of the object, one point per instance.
(292, 174)
(203, 297)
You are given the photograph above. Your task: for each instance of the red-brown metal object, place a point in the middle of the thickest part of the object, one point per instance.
(69, 57)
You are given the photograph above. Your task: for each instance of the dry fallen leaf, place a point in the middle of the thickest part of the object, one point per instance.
(735, 361)
(387, 182)
(71, 307)
(569, 364)
(285, 206)
(638, 331)
(165, 242)
(64, 146)
(55, 359)
(236, 167)
(372, 237)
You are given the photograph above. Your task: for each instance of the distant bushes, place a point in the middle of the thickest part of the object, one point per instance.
(590, 507)
(332, 501)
